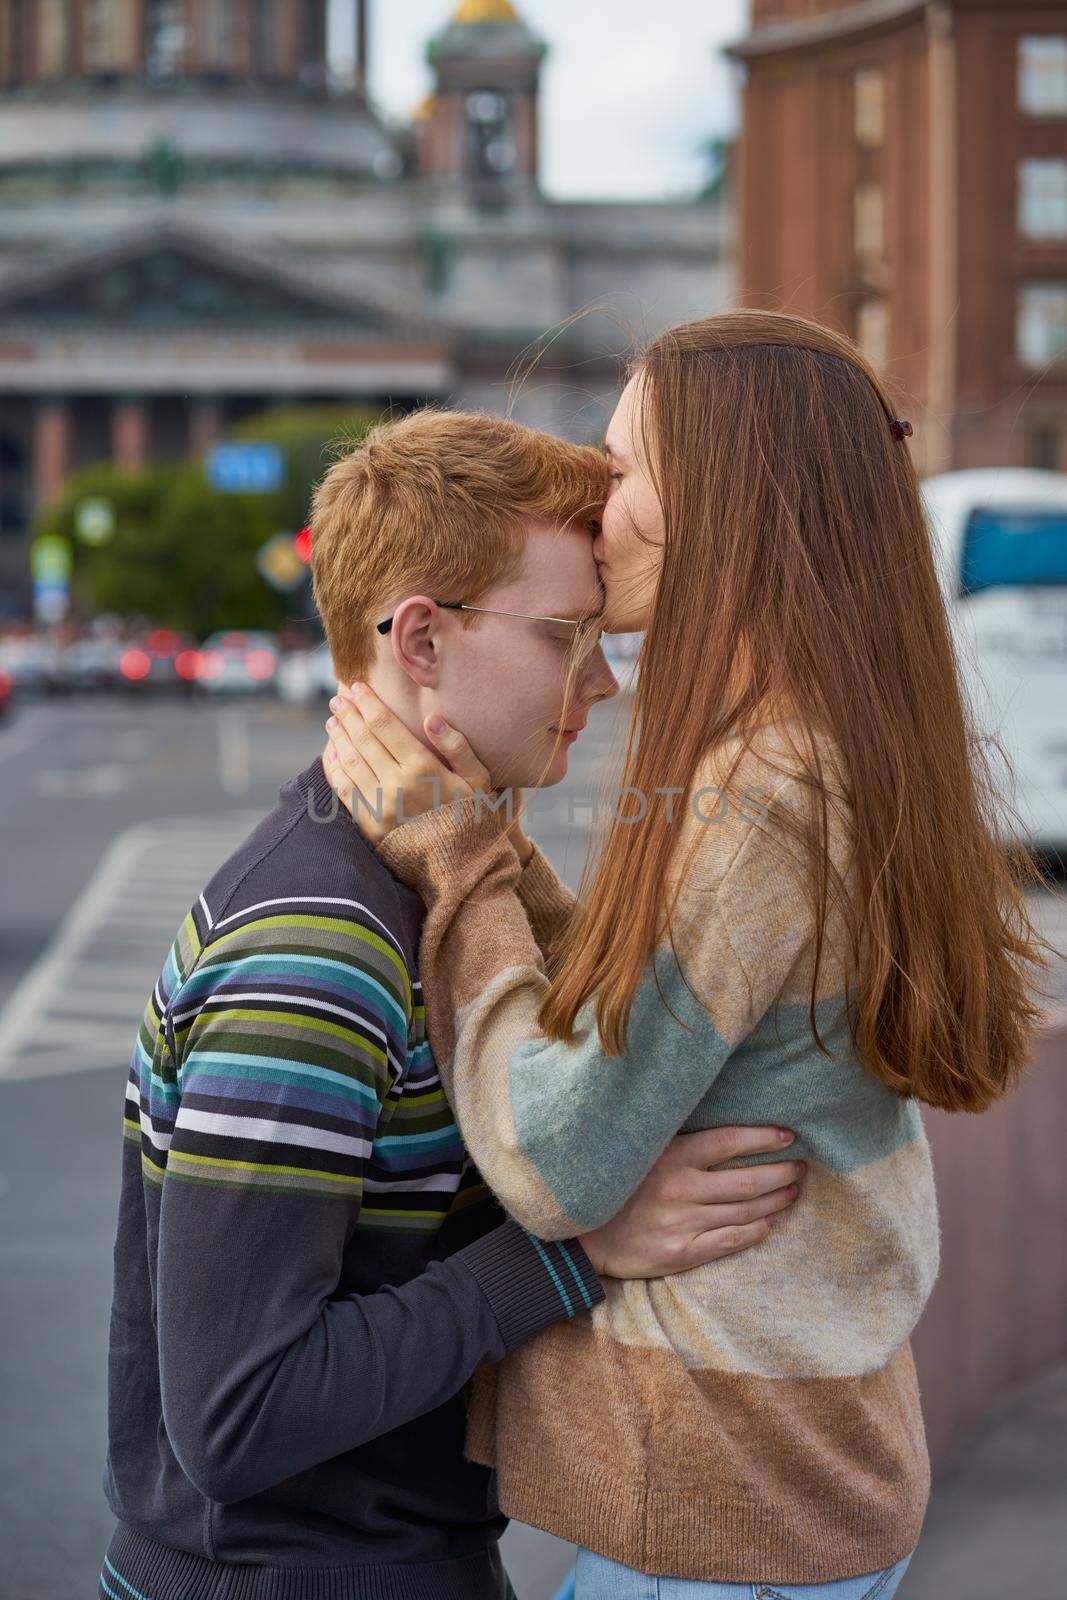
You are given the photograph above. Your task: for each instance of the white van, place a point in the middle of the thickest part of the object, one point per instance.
(1001, 540)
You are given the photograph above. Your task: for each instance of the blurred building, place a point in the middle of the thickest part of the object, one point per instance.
(904, 177)
(195, 222)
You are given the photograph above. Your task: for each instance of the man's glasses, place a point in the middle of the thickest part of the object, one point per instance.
(591, 638)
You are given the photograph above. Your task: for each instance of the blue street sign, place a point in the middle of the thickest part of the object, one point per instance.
(246, 468)
(51, 599)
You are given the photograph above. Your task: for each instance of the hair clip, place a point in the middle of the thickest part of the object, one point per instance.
(901, 429)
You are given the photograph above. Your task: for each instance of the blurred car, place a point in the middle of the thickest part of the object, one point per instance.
(235, 662)
(31, 662)
(91, 663)
(6, 695)
(163, 659)
(307, 675)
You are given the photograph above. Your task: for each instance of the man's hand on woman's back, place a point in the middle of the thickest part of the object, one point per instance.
(690, 1209)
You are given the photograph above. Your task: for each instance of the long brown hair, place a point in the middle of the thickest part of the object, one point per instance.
(793, 514)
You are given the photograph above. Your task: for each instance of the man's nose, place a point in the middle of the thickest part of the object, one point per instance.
(601, 682)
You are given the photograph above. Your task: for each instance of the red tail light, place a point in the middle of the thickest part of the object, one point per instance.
(210, 664)
(260, 664)
(187, 665)
(135, 665)
(163, 642)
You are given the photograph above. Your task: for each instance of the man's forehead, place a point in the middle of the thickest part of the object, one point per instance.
(558, 571)
(568, 613)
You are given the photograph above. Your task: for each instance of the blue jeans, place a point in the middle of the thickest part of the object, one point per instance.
(597, 1578)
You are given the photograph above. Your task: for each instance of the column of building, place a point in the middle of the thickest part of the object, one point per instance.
(273, 40)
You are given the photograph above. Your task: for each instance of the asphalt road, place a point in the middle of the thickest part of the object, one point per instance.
(112, 815)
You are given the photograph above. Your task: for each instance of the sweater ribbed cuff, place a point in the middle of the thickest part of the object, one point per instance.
(547, 902)
(441, 845)
(531, 1283)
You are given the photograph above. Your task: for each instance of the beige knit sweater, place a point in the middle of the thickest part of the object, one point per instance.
(757, 1419)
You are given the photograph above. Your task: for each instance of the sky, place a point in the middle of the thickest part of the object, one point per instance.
(630, 91)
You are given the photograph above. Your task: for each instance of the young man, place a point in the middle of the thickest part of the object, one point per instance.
(308, 1270)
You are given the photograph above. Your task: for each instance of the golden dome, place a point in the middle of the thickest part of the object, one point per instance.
(485, 11)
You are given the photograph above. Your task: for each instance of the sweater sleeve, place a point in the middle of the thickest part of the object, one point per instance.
(545, 898)
(562, 1132)
(285, 1051)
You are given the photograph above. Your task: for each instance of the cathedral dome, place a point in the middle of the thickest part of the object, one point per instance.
(469, 11)
(169, 91)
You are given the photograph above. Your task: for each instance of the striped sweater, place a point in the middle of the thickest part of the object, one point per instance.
(756, 1420)
(308, 1268)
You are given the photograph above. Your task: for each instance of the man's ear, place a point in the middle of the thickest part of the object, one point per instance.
(416, 640)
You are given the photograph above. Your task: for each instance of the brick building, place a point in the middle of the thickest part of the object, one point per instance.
(904, 176)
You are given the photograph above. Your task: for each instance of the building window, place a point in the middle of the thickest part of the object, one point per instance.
(491, 141)
(1043, 74)
(164, 39)
(869, 106)
(1041, 324)
(872, 331)
(1043, 199)
(54, 39)
(868, 221)
(108, 35)
(1045, 447)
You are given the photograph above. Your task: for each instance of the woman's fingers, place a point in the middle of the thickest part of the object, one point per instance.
(350, 736)
(397, 790)
(410, 775)
(396, 773)
(365, 738)
(354, 783)
(732, 1216)
(737, 1185)
(457, 752)
(374, 726)
(709, 1147)
(722, 1242)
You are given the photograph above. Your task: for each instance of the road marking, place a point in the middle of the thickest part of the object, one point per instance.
(74, 1012)
(235, 755)
(101, 783)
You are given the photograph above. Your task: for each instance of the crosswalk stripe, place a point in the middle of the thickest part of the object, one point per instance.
(79, 1005)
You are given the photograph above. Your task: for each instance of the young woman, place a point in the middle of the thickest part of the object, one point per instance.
(799, 912)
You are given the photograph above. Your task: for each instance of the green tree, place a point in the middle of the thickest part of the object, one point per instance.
(183, 554)
(311, 438)
(719, 154)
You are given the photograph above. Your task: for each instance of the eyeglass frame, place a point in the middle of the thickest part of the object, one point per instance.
(461, 605)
